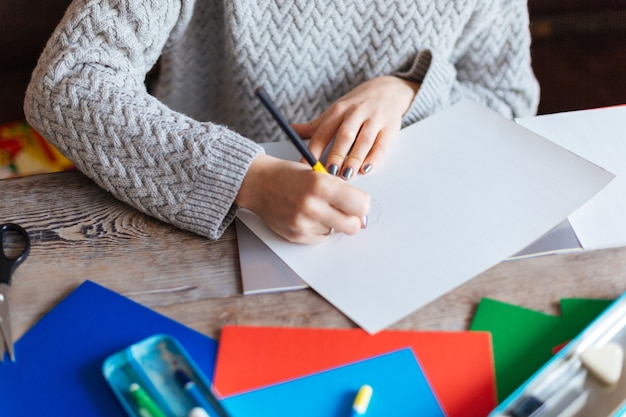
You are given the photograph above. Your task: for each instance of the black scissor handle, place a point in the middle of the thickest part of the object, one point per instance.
(8, 264)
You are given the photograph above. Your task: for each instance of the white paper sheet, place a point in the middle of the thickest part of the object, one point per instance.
(458, 193)
(598, 135)
(261, 270)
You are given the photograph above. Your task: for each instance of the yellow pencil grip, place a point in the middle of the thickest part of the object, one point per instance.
(319, 168)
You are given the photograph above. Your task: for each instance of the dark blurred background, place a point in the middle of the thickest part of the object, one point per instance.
(579, 53)
(578, 50)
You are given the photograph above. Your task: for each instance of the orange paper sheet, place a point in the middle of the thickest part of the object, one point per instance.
(459, 365)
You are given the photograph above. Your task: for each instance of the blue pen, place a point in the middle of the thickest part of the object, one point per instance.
(198, 412)
(361, 401)
(198, 396)
(193, 390)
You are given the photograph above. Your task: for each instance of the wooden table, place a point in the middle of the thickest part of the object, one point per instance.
(81, 232)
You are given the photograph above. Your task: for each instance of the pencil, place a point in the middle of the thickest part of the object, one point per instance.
(286, 127)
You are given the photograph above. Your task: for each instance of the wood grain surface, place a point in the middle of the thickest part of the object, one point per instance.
(79, 232)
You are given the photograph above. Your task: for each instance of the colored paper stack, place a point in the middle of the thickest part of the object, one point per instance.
(265, 371)
(412, 373)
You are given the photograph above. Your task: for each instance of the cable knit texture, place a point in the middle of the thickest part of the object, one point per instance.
(182, 154)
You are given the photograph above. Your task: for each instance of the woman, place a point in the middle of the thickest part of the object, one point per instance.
(352, 71)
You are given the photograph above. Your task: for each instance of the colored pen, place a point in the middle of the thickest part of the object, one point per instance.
(198, 396)
(147, 406)
(192, 389)
(282, 122)
(198, 412)
(361, 401)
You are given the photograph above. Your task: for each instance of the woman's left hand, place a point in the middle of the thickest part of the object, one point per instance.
(362, 123)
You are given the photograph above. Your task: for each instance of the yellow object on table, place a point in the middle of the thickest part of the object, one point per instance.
(23, 152)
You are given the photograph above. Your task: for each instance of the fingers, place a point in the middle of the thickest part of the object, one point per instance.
(359, 146)
(313, 225)
(356, 134)
(357, 128)
(300, 204)
(353, 141)
(332, 203)
(364, 154)
(347, 206)
(321, 131)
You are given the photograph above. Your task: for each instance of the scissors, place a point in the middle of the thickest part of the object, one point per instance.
(7, 267)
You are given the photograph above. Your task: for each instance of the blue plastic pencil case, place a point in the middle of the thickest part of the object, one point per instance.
(157, 378)
(567, 386)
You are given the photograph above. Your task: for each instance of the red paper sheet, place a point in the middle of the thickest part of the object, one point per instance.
(459, 365)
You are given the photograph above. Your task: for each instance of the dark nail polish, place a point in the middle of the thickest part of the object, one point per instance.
(367, 168)
(333, 169)
(347, 173)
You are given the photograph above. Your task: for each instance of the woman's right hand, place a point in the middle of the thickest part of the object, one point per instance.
(300, 204)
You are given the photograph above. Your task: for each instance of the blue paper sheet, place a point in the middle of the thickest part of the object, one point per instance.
(59, 361)
(400, 390)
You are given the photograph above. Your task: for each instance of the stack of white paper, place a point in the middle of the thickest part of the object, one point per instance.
(598, 135)
(457, 193)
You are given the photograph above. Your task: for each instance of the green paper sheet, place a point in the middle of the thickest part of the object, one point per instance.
(578, 313)
(524, 339)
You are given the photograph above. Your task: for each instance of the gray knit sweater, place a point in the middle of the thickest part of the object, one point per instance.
(181, 154)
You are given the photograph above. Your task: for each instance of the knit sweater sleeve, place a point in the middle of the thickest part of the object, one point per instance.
(87, 97)
(490, 64)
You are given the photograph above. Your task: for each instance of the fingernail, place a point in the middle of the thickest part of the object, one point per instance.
(367, 168)
(364, 220)
(333, 169)
(347, 173)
